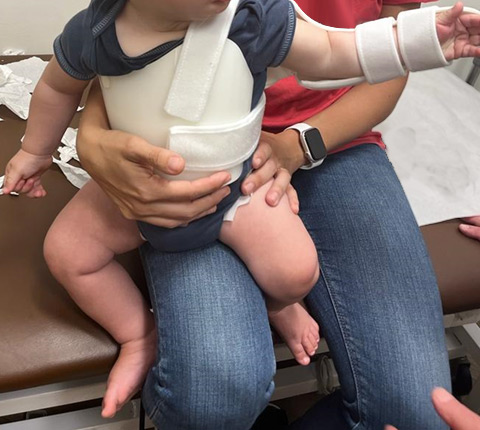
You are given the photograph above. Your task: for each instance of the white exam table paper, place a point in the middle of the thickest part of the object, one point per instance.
(433, 142)
(17, 81)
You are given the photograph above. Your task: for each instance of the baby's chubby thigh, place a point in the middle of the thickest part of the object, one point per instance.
(86, 235)
(275, 246)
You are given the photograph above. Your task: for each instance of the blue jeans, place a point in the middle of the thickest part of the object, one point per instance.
(377, 303)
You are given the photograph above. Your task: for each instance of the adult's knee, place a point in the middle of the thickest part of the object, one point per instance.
(215, 394)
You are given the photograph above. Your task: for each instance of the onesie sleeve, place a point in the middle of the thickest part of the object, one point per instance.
(263, 29)
(72, 48)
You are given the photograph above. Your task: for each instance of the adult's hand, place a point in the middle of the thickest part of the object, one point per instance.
(471, 227)
(126, 167)
(456, 415)
(278, 156)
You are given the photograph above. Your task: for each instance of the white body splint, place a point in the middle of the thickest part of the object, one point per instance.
(196, 100)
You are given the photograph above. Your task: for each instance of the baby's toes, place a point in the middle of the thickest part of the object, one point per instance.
(315, 332)
(309, 344)
(312, 344)
(300, 354)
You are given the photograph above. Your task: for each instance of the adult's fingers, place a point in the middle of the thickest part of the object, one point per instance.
(260, 176)
(173, 214)
(472, 231)
(279, 187)
(456, 415)
(293, 199)
(159, 159)
(261, 155)
(185, 191)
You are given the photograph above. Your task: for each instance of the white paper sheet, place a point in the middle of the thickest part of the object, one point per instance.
(68, 151)
(433, 142)
(17, 81)
(13, 92)
(31, 69)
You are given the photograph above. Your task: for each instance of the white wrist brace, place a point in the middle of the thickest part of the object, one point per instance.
(379, 57)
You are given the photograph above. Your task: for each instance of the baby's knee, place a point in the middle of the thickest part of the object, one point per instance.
(54, 252)
(293, 282)
(61, 255)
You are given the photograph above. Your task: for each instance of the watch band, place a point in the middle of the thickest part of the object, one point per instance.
(302, 129)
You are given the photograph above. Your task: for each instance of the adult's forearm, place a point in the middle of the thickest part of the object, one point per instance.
(357, 112)
(93, 120)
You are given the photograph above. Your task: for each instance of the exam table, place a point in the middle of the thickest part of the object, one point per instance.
(54, 359)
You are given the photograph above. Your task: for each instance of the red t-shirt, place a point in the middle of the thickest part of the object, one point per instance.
(289, 103)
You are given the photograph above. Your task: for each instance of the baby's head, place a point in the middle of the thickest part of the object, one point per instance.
(194, 10)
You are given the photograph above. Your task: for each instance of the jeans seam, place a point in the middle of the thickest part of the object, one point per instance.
(160, 402)
(345, 344)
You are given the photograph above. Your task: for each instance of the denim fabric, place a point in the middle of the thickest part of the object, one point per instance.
(376, 301)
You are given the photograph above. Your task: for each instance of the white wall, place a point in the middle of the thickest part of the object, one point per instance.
(32, 25)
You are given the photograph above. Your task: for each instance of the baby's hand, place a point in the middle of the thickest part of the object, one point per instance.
(458, 33)
(23, 172)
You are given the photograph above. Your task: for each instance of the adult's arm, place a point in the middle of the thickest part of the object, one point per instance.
(126, 166)
(367, 104)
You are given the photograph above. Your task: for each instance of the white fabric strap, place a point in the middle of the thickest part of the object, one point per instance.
(377, 51)
(418, 40)
(196, 68)
(218, 147)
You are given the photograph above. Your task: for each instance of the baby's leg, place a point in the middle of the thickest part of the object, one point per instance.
(281, 256)
(79, 249)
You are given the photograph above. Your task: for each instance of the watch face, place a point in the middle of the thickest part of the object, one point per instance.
(315, 144)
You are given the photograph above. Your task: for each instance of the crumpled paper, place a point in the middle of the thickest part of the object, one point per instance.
(17, 81)
(68, 151)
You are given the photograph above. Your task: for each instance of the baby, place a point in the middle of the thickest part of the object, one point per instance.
(121, 37)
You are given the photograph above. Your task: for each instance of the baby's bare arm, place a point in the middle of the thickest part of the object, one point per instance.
(319, 54)
(53, 105)
(54, 102)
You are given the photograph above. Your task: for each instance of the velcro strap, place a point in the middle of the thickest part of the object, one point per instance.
(218, 147)
(196, 68)
(418, 40)
(377, 51)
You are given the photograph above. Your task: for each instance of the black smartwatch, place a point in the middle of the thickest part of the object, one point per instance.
(312, 145)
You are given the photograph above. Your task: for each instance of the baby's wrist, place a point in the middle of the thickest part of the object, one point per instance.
(35, 152)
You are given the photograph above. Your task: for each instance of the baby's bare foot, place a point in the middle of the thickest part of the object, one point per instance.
(298, 329)
(128, 373)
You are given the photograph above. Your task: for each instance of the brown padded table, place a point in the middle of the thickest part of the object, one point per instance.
(45, 338)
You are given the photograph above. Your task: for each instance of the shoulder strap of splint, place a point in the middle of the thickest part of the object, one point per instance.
(196, 68)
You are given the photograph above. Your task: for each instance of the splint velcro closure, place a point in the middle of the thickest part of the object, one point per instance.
(218, 147)
(377, 51)
(418, 40)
